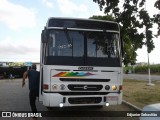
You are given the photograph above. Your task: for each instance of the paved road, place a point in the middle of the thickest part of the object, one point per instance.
(15, 98)
(140, 77)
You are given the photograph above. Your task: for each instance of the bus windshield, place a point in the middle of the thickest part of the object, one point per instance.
(84, 47)
(61, 44)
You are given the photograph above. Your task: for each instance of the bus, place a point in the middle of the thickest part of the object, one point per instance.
(81, 63)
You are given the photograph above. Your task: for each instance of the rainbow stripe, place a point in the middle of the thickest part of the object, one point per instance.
(73, 74)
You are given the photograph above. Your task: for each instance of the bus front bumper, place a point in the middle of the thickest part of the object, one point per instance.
(58, 100)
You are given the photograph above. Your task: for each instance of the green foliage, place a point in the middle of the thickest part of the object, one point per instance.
(99, 17)
(154, 69)
(131, 18)
(156, 18)
(141, 69)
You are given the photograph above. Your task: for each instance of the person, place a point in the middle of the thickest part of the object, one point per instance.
(10, 76)
(33, 77)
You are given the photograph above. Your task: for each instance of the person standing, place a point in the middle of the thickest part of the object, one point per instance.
(33, 77)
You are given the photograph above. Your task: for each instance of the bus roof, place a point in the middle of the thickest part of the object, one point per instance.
(82, 23)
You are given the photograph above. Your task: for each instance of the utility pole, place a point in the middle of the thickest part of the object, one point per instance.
(149, 72)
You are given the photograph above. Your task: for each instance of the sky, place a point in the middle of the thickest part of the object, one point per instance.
(21, 23)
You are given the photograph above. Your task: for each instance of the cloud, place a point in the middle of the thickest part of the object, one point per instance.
(150, 7)
(67, 7)
(16, 16)
(47, 3)
(153, 56)
(11, 49)
(98, 12)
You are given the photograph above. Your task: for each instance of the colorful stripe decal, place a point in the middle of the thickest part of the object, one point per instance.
(73, 74)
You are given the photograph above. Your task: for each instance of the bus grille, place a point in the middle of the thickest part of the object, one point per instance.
(85, 87)
(85, 100)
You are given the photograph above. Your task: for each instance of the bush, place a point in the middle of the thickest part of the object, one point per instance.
(143, 69)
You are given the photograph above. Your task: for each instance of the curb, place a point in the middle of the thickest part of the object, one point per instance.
(131, 105)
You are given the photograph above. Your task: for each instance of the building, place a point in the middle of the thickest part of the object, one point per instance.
(15, 69)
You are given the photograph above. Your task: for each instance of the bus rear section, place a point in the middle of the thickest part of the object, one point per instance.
(81, 63)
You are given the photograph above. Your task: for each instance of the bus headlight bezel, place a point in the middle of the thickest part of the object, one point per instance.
(107, 87)
(62, 87)
(54, 87)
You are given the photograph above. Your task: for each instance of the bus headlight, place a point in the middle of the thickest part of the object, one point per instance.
(61, 105)
(107, 104)
(114, 87)
(55, 87)
(62, 87)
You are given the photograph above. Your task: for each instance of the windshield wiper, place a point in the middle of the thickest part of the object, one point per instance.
(68, 38)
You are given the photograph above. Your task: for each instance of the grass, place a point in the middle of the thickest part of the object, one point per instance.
(139, 94)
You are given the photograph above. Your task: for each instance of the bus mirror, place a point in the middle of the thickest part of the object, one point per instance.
(44, 36)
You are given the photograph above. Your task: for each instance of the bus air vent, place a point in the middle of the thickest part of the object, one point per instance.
(75, 87)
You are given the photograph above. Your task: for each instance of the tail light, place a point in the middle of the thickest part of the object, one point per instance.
(45, 86)
(121, 87)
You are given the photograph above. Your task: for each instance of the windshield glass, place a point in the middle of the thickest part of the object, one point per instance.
(102, 45)
(59, 45)
(98, 44)
(83, 48)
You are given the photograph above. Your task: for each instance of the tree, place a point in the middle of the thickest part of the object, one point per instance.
(131, 18)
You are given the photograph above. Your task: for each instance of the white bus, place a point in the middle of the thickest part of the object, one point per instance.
(81, 63)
